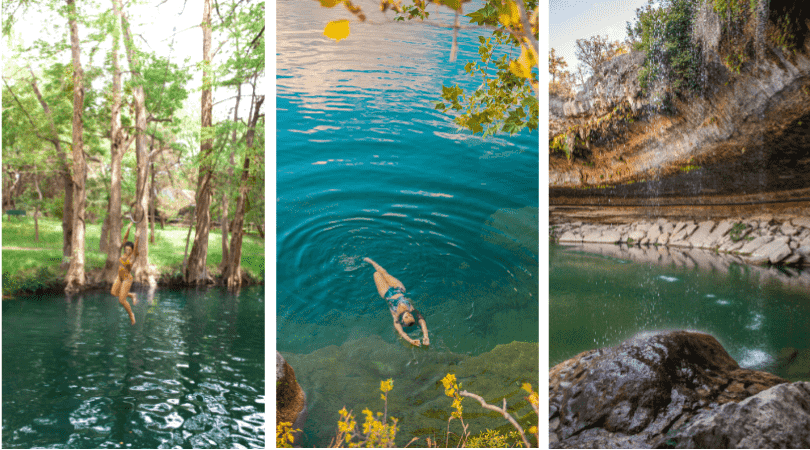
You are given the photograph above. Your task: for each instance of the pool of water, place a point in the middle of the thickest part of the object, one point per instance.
(599, 300)
(189, 373)
(367, 167)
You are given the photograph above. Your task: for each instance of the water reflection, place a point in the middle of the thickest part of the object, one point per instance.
(190, 373)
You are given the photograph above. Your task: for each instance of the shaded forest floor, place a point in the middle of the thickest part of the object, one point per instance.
(33, 266)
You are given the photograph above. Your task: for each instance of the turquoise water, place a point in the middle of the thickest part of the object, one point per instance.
(598, 301)
(190, 373)
(367, 167)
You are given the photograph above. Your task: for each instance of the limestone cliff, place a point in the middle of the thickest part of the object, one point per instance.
(746, 126)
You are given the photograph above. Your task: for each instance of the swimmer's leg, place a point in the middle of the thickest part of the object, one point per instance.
(116, 287)
(389, 280)
(382, 286)
(122, 298)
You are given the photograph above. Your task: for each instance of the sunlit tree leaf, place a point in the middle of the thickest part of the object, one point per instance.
(508, 13)
(330, 3)
(524, 64)
(337, 29)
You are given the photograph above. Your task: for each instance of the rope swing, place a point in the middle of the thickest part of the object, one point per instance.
(131, 217)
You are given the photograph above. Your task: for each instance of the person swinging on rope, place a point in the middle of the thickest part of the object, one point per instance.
(123, 282)
(393, 291)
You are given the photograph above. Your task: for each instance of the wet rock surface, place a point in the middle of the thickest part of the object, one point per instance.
(291, 402)
(641, 392)
(775, 418)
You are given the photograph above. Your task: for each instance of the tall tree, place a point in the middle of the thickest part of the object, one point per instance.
(140, 267)
(555, 64)
(233, 272)
(196, 270)
(594, 50)
(75, 275)
(64, 166)
(118, 145)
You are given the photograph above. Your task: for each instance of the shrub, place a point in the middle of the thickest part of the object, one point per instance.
(378, 433)
(284, 435)
(664, 34)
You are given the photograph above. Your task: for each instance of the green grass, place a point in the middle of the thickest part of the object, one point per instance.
(23, 267)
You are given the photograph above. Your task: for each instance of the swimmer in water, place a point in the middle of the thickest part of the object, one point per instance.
(123, 281)
(393, 291)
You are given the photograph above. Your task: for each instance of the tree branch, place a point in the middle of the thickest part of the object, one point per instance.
(503, 412)
(251, 45)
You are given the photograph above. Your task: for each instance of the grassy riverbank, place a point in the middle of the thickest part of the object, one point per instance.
(29, 265)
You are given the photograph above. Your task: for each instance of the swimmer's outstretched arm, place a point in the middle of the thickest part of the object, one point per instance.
(425, 338)
(135, 250)
(126, 236)
(404, 335)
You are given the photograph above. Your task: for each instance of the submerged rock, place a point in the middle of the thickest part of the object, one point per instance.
(632, 395)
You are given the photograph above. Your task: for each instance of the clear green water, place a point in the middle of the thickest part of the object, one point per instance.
(598, 301)
(190, 373)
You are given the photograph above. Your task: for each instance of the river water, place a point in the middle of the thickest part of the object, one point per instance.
(760, 316)
(368, 168)
(189, 373)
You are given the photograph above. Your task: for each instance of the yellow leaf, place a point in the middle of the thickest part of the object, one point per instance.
(330, 3)
(508, 13)
(524, 64)
(452, 4)
(337, 29)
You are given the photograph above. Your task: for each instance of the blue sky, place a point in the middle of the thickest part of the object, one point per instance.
(570, 20)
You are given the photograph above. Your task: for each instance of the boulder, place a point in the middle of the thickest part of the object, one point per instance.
(633, 394)
(700, 237)
(801, 222)
(773, 252)
(599, 237)
(778, 417)
(719, 234)
(755, 244)
(637, 235)
(653, 233)
(680, 238)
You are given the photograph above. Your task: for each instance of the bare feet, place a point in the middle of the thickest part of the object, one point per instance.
(132, 319)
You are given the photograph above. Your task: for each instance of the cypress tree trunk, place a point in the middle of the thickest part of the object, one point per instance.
(196, 271)
(117, 149)
(75, 275)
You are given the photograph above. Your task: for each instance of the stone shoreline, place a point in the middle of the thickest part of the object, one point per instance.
(757, 240)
